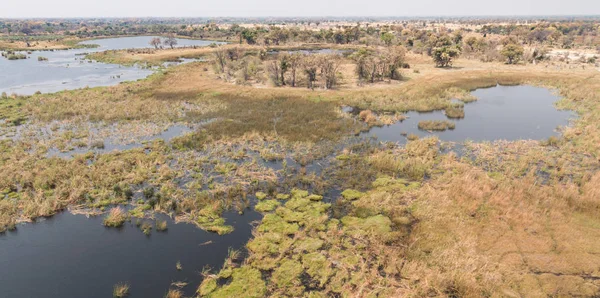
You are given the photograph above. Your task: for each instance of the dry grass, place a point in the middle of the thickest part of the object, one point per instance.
(436, 125)
(121, 290)
(174, 294)
(116, 217)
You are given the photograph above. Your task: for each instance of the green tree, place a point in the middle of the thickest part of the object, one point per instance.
(249, 36)
(444, 55)
(387, 38)
(512, 52)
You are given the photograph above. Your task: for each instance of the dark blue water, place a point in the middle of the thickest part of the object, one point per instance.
(73, 256)
(500, 113)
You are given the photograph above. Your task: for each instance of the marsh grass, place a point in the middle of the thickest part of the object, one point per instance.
(121, 290)
(423, 217)
(116, 217)
(173, 293)
(455, 112)
(146, 228)
(436, 125)
(161, 225)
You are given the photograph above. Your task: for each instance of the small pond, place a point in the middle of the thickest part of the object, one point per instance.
(68, 69)
(500, 113)
(72, 256)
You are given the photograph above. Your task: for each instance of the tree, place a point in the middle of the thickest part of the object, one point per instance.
(393, 59)
(329, 67)
(471, 42)
(294, 62)
(512, 52)
(387, 38)
(376, 65)
(171, 41)
(283, 66)
(443, 56)
(249, 36)
(220, 60)
(155, 42)
(310, 65)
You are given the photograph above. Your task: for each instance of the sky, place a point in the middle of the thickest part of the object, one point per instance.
(261, 8)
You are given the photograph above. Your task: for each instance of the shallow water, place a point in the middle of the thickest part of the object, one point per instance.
(141, 42)
(73, 256)
(67, 69)
(111, 145)
(500, 113)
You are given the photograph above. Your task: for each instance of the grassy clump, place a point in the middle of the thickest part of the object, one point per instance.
(16, 56)
(436, 125)
(173, 293)
(455, 112)
(12, 111)
(146, 228)
(351, 194)
(120, 290)
(245, 282)
(116, 217)
(161, 225)
(267, 205)
(209, 219)
(261, 195)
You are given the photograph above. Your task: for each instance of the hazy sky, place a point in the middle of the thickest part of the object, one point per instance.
(201, 8)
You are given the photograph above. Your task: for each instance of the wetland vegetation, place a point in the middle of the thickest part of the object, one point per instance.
(406, 161)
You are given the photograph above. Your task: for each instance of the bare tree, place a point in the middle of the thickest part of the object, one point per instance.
(171, 41)
(155, 42)
(274, 71)
(329, 65)
(310, 66)
(294, 62)
(220, 60)
(283, 59)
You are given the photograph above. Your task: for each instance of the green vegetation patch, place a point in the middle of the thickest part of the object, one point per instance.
(245, 282)
(267, 205)
(351, 194)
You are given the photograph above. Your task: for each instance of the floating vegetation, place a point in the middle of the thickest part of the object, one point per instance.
(455, 112)
(436, 125)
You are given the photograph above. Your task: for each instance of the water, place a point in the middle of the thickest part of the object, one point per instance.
(501, 113)
(142, 42)
(73, 256)
(67, 69)
(111, 144)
